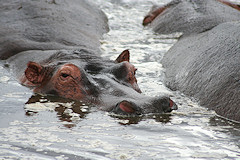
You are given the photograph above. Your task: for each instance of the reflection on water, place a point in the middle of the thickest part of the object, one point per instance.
(73, 111)
(67, 110)
(45, 127)
(128, 120)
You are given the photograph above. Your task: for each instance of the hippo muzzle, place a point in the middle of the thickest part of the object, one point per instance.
(156, 105)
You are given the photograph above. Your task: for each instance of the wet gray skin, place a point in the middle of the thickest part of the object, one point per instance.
(68, 26)
(49, 127)
(103, 82)
(204, 63)
(195, 16)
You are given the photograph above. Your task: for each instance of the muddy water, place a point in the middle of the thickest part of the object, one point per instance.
(37, 127)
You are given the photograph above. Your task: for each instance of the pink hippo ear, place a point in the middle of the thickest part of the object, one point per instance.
(34, 73)
(153, 14)
(124, 56)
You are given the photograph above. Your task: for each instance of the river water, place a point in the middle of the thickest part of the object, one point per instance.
(37, 127)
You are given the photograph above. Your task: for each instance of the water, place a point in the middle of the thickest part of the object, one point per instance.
(45, 128)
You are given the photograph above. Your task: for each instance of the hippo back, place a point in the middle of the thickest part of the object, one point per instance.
(193, 16)
(49, 25)
(207, 67)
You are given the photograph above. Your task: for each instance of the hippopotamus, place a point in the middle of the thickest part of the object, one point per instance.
(187, 17)
(83, 75)
(53, 48)
(204, 63)
(50, 25)
(206, 66)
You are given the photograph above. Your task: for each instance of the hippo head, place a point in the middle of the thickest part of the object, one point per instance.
(66, 80)
(81, 75)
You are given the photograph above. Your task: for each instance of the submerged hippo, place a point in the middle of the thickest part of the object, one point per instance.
(194, 16)
(50, 25)
(53, 48)
(82, 75)
(206, 66)
(204, 63)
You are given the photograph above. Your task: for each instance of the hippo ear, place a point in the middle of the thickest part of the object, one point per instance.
(34, 73)
(124, 56)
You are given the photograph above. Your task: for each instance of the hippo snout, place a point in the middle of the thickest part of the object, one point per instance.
(172, 105)
(153, 105)
(126, 107)
(162, 104)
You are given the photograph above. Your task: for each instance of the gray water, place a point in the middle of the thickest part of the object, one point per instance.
(50, 128)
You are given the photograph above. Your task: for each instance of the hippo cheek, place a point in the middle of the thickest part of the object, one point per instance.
(75, 92)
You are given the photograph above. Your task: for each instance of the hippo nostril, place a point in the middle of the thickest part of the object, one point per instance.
(126, 107)
(172, 105)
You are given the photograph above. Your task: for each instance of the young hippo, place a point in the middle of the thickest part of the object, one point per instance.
(82, 75)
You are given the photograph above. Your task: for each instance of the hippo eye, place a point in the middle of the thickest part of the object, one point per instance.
(64, 75)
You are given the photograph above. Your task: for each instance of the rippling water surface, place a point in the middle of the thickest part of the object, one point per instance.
(45, 128)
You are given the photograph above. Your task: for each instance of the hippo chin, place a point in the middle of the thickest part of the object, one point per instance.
(82, 75)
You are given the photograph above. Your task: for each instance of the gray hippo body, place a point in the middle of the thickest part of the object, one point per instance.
(193, 16)
(53, 48)
(207, 67)
(45, 25)
(205, 62)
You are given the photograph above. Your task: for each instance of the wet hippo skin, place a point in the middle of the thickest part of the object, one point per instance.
(206, 65)
(83, 75)
(45, 25)
(53, 48)
(194, 16)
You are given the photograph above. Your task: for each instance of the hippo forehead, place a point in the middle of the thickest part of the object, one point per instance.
(84, 59)
(87, 61)
(91, 65)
